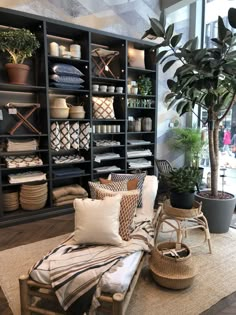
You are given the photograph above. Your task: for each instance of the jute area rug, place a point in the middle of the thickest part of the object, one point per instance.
(215, 279)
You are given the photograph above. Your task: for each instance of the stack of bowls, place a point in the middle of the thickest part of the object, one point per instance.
(10, 201)
(59, 108)
(33, 195)
(77, 112)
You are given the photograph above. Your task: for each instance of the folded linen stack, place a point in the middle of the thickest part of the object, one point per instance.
(26, 177)
(65, 76)
(139, 163)
(137, 153)
(111, 168)
(22, 145)
(106, 156)
(66, 194)
(23, 161)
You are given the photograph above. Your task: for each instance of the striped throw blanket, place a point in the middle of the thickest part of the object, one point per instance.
(75, 270)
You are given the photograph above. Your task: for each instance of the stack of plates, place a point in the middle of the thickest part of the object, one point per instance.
(10, 201)
(33, 195)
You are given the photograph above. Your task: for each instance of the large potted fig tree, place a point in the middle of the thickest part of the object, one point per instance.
(18, 44)
(204, 77)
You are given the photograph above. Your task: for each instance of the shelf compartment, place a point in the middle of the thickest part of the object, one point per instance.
(21, 88)
(15, 153)
(70, 176)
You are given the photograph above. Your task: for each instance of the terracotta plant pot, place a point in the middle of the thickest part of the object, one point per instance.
(17, 73)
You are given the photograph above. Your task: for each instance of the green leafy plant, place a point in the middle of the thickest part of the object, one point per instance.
(204, 77)
(19, 44)
(188, 140)
(183, 179)
(144, 85)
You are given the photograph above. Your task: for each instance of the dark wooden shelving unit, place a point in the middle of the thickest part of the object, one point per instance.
(38, 89)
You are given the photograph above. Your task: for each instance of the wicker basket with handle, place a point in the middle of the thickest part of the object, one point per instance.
(172, 266)
(183, 213)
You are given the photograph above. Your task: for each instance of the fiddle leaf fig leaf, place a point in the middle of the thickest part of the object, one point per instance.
(169, 32)
(168, 65)
(232, 17)
(161, 55)
(157, 28)
(163, 19)
(221, 29)
(176, 39)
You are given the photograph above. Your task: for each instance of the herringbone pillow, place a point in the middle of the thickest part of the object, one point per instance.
(103, 107)
(114, 186)
(128, 207)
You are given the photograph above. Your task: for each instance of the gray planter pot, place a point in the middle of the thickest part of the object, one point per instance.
(218, 212)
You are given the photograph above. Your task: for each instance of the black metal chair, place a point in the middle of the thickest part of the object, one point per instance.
(164, 167)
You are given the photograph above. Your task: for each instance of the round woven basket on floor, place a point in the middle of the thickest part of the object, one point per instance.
(172, 272)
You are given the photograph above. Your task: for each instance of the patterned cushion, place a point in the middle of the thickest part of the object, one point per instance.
(65, 135)
(55, 136)
(115, 186)
(118, 177)
(65, 79)
(65, 69)
(84, 136)
(103, 107)
(131, 184)
(74, 135)
(128, 207)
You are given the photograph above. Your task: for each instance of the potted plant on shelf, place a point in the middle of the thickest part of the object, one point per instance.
(205, 77)
(144, 85)
(19, 44)
(182, 183)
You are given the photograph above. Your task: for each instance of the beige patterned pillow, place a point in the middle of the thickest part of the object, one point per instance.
(114, 186)
(128, 207)
(103, 107)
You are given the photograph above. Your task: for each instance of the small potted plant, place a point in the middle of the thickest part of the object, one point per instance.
(144, 85)
(19, 44)
(182, 183)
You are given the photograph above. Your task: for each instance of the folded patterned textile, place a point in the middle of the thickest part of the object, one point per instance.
(73, 275)
(68, 171)
(26, 177)
(22, 145)
(55, 136)
(105, 143)
(64, 128)
(23, 161)
(71, 196)
(67, 190)
(74, 135)
(61, 159)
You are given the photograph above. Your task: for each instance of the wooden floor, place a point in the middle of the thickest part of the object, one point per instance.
(39, 230)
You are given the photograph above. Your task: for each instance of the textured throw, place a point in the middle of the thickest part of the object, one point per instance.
(76, 269)
(55, 136)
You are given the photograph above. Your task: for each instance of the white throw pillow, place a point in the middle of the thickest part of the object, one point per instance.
(97, 221)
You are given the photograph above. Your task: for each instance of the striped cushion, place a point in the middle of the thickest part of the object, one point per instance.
(120, 177)
(115, 186)
(128, 207)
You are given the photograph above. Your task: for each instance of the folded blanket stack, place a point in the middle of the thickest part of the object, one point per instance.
(139, 163)
(23, 161)
(67, 172)
(22, 145)
(26, 177)
(66, 194)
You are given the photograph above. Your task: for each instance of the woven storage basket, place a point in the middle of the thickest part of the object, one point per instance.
(182, 213)
(172, 272)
